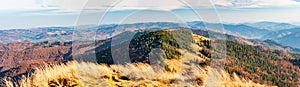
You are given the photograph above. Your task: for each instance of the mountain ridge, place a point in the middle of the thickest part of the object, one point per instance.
(274, 26)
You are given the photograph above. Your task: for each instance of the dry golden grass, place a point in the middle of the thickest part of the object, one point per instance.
(84, 74)
(234, 81)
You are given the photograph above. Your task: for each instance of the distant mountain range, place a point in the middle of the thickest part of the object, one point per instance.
(240, 30)
(283, 33)
(289, 37)
(272, 25)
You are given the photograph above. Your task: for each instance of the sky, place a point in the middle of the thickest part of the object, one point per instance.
(20, 14)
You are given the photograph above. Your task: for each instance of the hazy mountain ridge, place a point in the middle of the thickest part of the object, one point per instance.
(110, 30)
(288, 37)
(240, 30)
(285, 36)
(272, 25)
(255, 43)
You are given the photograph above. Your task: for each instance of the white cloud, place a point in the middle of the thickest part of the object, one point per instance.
(149, 4)
(19, 5)
(225, 3)
(71, 6)
(77, 5)
(254, 3)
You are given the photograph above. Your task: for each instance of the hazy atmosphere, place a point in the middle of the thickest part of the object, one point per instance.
(42, 13)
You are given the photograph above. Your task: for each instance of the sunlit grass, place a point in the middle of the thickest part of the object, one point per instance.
(74, 74)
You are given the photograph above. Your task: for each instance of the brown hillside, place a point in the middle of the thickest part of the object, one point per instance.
(28, 59)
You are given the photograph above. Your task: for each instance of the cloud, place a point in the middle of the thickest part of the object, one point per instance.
(255, 3)
(19, 5)
(102, 5)
(149, 4)
(76, 6)
(71, 5)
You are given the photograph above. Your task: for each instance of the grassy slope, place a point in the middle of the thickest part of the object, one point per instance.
(75, 74)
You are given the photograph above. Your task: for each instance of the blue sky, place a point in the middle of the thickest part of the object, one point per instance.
(16, 14)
